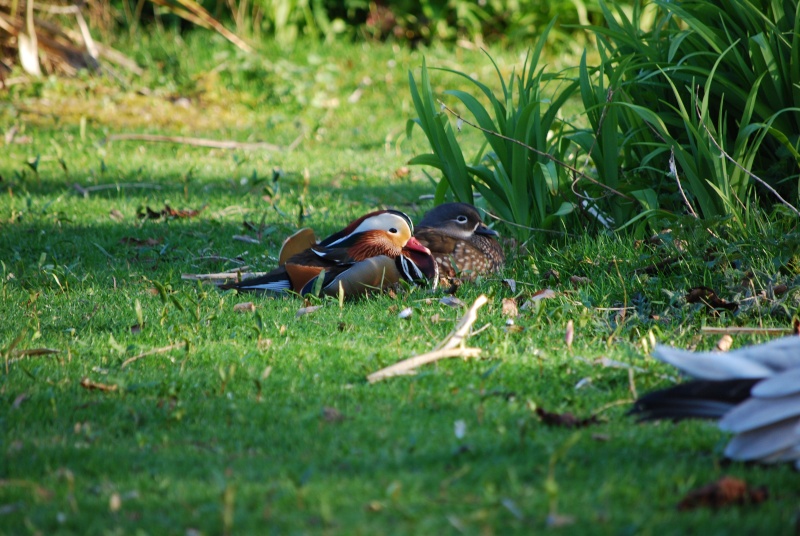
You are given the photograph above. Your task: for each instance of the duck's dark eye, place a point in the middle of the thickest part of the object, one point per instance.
(393, 230)
(461, 219)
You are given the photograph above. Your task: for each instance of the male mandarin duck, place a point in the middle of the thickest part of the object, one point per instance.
(753, 391)
(374, 251)
(459, 241)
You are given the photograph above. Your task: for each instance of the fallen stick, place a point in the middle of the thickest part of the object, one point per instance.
(745, 331)
(152, 352)
(446, 348)
(407, 366)
(461, 331)
(221, 276)
(197, 142)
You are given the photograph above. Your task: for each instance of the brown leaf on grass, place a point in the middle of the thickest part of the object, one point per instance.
(510, 308)
(86, 383)
(19, 400)
(724, 343)
(551, 274)
(116, 215)
(138, 242)
(330, 414)
(708, 297)
(246, 307)
(569, 334)
(578, 280)
(402, 171)
(166, 212)
(724, 492)
(565, 420)
(452, 301)
(663, 266)
(246, 238)
(780, 290)
(559, 520)
(307, 310)
(543, 294)
(35, 352)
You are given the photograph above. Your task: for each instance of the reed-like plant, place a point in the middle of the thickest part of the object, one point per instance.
(522, 185)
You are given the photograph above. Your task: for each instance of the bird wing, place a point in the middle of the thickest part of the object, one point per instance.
(299, 242)
(758, 412)
(357, 278)
(785, 383)
(701, 399)
(275, 281)
(711, 366)
(768, 442)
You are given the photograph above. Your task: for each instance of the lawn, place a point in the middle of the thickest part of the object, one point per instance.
(166, 411)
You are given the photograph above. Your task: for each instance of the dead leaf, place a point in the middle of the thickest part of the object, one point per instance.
(245, 238)
(724, 343)
(246, 307)
(779, 290)
(435, 319)
(116, 215)
(86, 383)
(512, 284)
(402, 171)
(166, 212)
(543, 294)
(708, 297)
(559, 520)
(138, 242)
(307, 310)
(510, 307)
(34, 352)
(19, 400)
(578, 280)
(114, 502)
(570, 334)
(330, 414)
(724, 492)
(565, 420)
(452, 301)
(551, 274)
(663, 266)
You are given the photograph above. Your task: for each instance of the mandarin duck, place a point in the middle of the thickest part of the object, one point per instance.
(374, 251)
(753, 391)
(459, 241)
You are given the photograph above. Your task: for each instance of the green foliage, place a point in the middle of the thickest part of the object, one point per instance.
(691, 108)
(523, 185)
(704, 78)
(404, 20)
(253, 422)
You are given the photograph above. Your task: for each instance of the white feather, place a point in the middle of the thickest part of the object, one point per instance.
(758, 412)
(765, 441)
(710, 365)
(783, 384)
(767, 425)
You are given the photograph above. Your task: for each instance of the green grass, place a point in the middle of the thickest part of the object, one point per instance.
(266, 423)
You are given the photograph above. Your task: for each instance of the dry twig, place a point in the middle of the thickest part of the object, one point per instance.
(152, 352)
(197, 142)
(451, 346)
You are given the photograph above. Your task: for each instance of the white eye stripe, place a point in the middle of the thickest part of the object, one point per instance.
(380, 222)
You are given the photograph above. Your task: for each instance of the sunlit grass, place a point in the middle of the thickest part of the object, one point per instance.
(264, 422)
